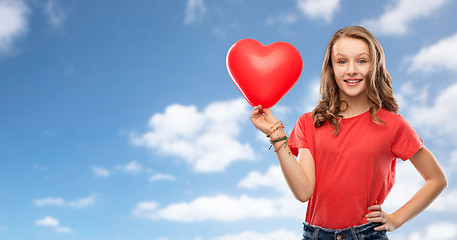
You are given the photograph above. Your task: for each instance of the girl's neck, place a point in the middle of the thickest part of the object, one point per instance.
(354, 105)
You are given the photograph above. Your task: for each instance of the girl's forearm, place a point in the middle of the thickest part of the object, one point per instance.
(299, 182)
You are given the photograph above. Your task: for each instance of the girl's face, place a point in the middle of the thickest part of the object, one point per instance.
(351, 63)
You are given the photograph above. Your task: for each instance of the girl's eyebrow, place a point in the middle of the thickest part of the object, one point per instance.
(358, 55)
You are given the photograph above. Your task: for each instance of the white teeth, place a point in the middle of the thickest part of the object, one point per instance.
(352, 81)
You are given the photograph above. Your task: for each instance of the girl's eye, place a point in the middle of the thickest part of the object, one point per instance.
(341, 62)
(362, 61)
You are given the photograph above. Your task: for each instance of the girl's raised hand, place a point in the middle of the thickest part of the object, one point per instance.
(263, 119)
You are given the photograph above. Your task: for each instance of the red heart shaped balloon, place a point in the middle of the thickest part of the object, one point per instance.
(263, 74)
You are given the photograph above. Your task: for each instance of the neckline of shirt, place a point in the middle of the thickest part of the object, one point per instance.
(357, 116)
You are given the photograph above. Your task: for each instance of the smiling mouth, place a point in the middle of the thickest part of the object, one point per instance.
(353, 80)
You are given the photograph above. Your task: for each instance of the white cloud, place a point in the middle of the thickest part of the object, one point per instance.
(206, 140)
(53, 222)
(438, 118)
(56, 15)
(78, 203)
(101, 172)
(446, 202)
(451, 168)
(438, 56)
(194, 11)
(13, 23)
(161, 176)
(47, 221)
(409, 95)
(49, 201)
(131, 168)
(437, 231)
(397, 18)
(220, 208)
(249, 235)
(273, 178)
(319, 9)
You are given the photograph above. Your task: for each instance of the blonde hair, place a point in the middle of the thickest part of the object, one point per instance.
(379, 83)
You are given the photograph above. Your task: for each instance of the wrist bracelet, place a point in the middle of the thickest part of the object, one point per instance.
(273, 141)
(278, 139)
(275, 127)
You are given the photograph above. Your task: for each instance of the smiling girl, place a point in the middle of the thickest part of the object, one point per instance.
(347, 147)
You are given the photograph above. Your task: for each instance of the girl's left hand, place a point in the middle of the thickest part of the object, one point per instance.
(379, 216)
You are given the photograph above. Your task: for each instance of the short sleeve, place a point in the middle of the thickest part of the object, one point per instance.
(405, 142)
(297, 137)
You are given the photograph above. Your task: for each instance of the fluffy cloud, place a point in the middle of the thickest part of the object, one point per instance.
(440, 115)
(396, 19)
(194, 11)
(438, 56)
(249, 235)
(53, 222)
(206, 140)
(219, 208)
(446, 202)
(13, 23)
(131, 168)
(225, 208)
(437, 231)
(161, 176)
(273, 178)
(78, 203)
(323, 9)
(101, 172)
(47, 221)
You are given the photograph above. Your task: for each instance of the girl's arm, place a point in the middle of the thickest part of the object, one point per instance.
(300, 176)
(435, 181)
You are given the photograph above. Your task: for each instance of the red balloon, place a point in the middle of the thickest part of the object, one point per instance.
(263, 74)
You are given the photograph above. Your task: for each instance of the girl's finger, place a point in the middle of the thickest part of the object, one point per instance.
(373, 214)
(375, 208)
(380, 228)
(376, 219)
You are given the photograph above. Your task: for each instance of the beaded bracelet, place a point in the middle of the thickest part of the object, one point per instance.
(275, 127)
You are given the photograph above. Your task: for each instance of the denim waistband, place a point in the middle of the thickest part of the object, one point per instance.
(364, 231)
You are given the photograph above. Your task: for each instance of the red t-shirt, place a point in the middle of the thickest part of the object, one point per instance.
(356, 168)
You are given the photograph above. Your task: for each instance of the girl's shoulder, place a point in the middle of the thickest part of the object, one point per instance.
(391, 117)
(383, 113)
(306, 117)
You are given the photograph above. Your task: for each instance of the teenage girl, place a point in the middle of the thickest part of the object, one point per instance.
(347, 147)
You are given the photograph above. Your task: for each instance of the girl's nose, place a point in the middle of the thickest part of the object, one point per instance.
(352, 69)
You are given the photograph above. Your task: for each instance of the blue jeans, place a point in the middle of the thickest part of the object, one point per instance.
(362, 232)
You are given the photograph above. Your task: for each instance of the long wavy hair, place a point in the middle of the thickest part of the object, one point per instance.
(379, 83)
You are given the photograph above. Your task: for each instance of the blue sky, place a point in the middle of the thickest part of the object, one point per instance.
(119, 119)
